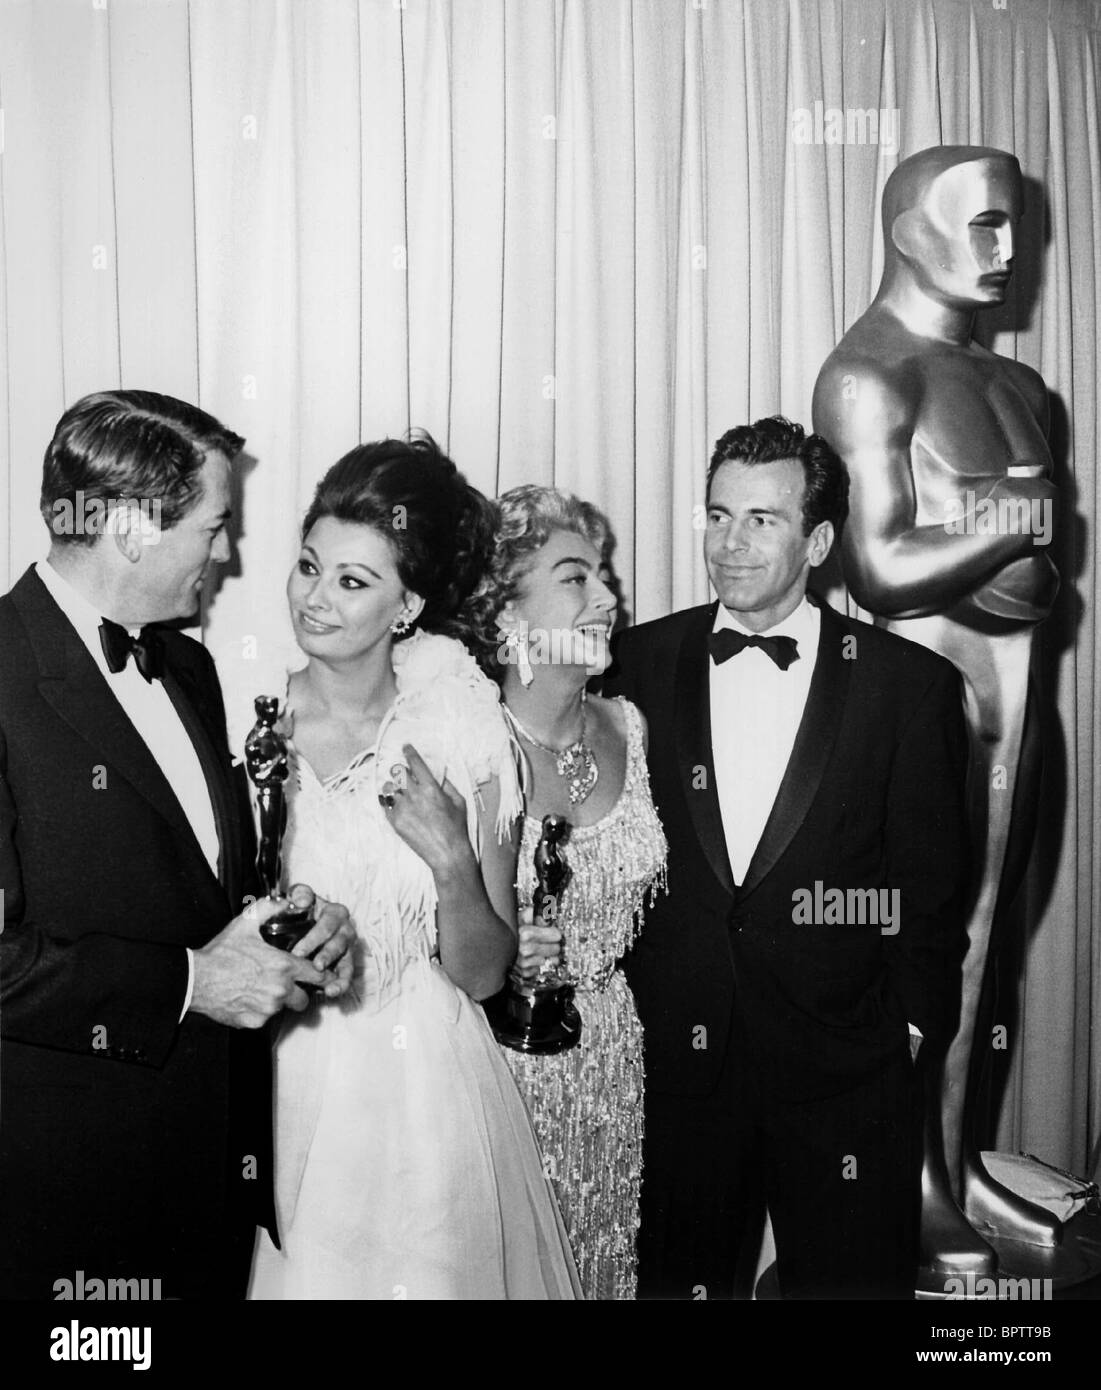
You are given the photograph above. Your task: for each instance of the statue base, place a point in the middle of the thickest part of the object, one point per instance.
(287, 928)
(996, 1211)
(537, 1019)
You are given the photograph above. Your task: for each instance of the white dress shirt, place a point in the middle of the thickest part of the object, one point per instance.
(148, 707)
(755, 713)
(756, 710)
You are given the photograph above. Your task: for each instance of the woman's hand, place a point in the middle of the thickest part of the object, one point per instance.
(540, 948)
(429, 816)
(474, 913)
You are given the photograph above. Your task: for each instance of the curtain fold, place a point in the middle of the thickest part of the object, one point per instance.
(576, 240)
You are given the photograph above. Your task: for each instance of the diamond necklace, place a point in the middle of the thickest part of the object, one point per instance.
(576, 763)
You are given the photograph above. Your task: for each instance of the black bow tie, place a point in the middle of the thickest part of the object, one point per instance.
(146, 647)
(727, 643)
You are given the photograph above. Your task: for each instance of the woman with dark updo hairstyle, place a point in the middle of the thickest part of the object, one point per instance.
(406, 1165)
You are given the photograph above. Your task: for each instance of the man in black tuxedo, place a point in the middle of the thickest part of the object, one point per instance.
(809, 772)
(135, 1091)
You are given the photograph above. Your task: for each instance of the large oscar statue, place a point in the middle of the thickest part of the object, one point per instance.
(951, 516)
(266, 765)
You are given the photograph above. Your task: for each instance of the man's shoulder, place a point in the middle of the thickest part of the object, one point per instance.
(24, 610)
(16, 662)
(659, 632)
(890, 651)
(190, 659)
(652, 648)
(186, 649)
(10, 621)
(26, 588)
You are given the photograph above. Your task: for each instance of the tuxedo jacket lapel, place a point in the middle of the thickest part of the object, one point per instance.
(75, 689)
(810, 753)
(692, 721)
(189, 706)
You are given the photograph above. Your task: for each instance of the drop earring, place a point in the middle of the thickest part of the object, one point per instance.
(517, 641)
(400, 626)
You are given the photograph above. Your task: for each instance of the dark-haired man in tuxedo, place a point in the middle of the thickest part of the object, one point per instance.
(135, 1094)
(809, 773)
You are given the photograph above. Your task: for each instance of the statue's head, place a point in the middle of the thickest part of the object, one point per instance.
(949, 223)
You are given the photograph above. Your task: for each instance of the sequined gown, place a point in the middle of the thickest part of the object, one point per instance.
(587, 1103)
(406, 1166)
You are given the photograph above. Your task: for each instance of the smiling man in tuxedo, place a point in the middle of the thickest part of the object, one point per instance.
(135, 1094)
(809, 772)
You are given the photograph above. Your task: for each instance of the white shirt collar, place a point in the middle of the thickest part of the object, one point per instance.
(83, 616)
(801, 623)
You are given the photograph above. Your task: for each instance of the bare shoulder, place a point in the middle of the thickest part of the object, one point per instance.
(613, 715)
(609, 713)
(645, 727)
(859, 395)
(877, 347)
(1030, 384)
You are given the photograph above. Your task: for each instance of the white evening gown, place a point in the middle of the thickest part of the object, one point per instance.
(406, 1164)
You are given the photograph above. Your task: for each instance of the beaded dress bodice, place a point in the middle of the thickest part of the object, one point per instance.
(614, 865)
(586, 1103)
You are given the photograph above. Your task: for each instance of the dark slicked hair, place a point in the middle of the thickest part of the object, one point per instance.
(132, 445)
(440, 529)
(826, 496)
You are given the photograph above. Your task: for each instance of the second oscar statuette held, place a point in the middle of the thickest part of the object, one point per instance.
(266, 763)
(539, 1016)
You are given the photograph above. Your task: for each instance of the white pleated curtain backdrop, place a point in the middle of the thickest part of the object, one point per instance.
(575, 240)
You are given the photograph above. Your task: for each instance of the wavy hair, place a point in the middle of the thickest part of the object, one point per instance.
(133, 445)
(826, 494)
(526, 519)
